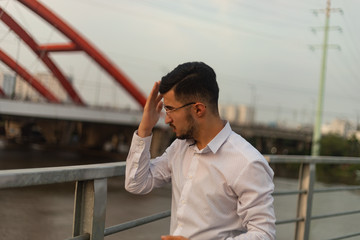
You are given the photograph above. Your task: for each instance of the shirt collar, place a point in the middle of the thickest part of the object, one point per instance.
(215, 143)
(220, 138)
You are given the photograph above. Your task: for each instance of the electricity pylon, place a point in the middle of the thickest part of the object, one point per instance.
(315, 149)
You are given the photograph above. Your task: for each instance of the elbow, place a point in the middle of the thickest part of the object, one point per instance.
(129, 185)
(134, 187)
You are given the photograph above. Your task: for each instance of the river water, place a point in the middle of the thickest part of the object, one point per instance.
(45, 212)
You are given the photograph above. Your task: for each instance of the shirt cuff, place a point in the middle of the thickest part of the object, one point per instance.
(141, 143)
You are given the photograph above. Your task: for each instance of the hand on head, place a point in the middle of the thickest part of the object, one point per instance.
(152, 112)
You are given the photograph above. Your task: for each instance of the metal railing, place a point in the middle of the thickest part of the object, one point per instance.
(91, 194)
(306, 191)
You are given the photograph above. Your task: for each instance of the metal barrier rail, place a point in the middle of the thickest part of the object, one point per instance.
(306, 191)
(91, 192)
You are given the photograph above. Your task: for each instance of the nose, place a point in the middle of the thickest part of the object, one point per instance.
(168, 119)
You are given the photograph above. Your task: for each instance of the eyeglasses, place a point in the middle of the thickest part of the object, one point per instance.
(169, 109)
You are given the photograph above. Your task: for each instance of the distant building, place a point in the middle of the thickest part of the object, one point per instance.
(357, 135)
(237, 114)
(341, 127)
(16, 87)
(8, 84)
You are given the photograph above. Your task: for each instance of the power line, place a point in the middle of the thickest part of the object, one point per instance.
(206, 18)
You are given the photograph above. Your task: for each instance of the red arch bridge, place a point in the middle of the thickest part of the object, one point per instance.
(76, 42)
(58, 122)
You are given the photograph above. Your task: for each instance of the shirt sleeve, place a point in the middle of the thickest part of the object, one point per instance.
(254, 187)
(143, 173)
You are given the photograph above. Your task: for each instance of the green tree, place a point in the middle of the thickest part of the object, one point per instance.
(335, 145)
(353, 147)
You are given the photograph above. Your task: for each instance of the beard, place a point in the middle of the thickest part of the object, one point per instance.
(189, 132)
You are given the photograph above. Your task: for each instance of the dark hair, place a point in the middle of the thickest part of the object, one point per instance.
(192, 81)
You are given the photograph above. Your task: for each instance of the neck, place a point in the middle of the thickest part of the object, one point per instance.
(207, 130)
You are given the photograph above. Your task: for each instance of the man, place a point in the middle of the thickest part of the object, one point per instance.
(221, 185)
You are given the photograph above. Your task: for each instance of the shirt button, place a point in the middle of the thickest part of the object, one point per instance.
(141, 143)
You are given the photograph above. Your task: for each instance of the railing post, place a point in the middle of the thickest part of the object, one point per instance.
(304, 205)
(90, 208)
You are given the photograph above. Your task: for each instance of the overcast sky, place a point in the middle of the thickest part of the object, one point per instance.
(258, 48)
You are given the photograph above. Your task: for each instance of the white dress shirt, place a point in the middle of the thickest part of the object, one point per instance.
(220, 192)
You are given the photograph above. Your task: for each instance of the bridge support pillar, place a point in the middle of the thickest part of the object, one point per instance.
(58, 132)
(160, 141)
(13, 129)
(96, 135)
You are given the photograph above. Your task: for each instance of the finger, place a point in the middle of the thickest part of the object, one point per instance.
(159, 106)
(154, 91)
(158, 98)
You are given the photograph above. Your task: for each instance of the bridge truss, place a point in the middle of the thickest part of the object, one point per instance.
(76, 43)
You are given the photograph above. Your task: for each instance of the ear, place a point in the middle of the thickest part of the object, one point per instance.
(200, 109)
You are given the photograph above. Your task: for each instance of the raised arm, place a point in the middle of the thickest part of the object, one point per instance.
(141, 175)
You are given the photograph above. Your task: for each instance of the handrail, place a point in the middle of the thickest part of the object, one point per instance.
(337, 189)
(41, 176)
(282, 193)
(91, 189)
(293, 220)
(136, 223)
(334, 214)
(311, 159)
(346, 236)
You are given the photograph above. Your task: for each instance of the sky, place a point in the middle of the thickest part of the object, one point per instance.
(261, 50)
